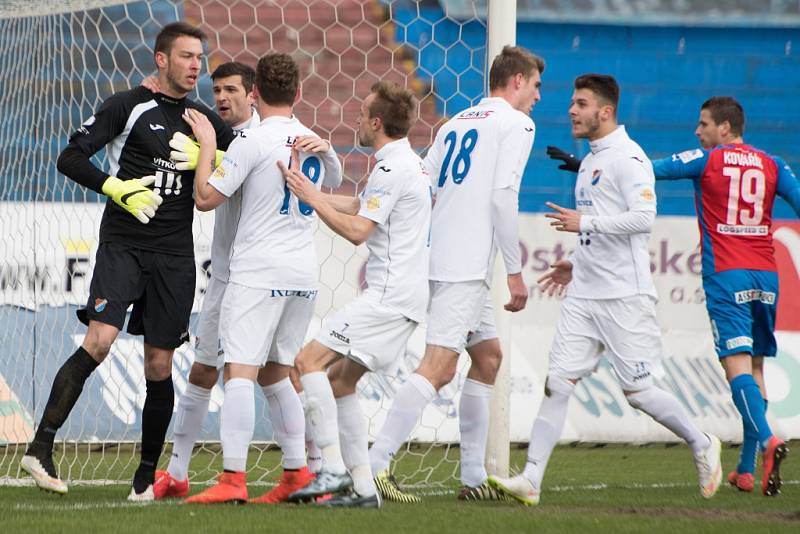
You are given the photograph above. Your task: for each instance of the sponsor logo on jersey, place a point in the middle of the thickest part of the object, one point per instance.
(734, 229)
(742, 159)
(156, 127)
(750, 295)
(596, 174)
(384, 168)
(165, 163)
(528, 129)
(227, 159)
(582, 200)
(475, 114)
(740, 341)
(219, 173)
(688, 155)
(100, 304)
(647, 195)
(373, 203)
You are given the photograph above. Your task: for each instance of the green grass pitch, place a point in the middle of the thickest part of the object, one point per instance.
(587, 489)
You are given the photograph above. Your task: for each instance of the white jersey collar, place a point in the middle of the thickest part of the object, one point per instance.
(249, 123)
(278, 119)
(614, 138)
(390, 148)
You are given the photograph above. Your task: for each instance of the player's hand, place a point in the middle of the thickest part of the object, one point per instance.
(297, 182)
(311, 143)
(519, 293)
(134, 196)
(555, 282)
(566, 220)
(571, 163)
(186, 151)
(201, 127)
(151, 82)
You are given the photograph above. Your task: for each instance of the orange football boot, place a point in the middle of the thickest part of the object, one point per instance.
(230, 487)
(290, 482)
(166, 486)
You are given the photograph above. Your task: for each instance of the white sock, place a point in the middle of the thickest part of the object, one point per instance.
(409, 402)
(473, 422)
(237, 422)
(192, 411)
(354, 439)
(665, 408)
(547, 427)
(321, 408)
(288, 422)
(313, 454)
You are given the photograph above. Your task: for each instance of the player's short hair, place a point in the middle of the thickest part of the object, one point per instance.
(234, 68)
(726, 108)
(511, 61)
(605, 87)
(395, 106)
(277, 79)
(166, 37)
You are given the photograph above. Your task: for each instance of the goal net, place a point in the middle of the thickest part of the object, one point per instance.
(60, 60)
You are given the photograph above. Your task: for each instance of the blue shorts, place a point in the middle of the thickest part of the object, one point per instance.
(741, 305)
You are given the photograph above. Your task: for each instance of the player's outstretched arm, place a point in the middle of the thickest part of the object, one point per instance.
(354, 228)
(206, 197)
(571, 163)
(687, 164)
(788, 187)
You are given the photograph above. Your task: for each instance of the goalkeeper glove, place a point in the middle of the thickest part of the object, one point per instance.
(134, 196)
(571, 163)
(187, 151)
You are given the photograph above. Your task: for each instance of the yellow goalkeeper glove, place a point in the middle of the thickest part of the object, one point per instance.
(187, 151)
(134, 196)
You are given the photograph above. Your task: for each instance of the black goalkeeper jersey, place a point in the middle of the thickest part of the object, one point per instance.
(135, 127)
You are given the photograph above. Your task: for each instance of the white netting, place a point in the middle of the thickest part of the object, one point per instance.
(60, 64)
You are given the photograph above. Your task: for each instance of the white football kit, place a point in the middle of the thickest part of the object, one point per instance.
(226, 217)
(610, 302)
(272, 278)
(374, 328)
(479, 151)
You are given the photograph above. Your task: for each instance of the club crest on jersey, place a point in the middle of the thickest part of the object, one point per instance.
(596, 176)
(100, 305)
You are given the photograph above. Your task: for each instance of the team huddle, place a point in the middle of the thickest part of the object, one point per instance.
(432, 227)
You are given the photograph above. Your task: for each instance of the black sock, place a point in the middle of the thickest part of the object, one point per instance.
(64, 393)
(156, 415)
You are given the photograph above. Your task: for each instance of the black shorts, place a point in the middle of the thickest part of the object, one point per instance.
(160, 287)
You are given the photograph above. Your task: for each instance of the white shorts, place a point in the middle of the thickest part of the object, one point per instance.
(460, 314)
(625, 329)
(261, 325)
(368, 333)
(207, 350)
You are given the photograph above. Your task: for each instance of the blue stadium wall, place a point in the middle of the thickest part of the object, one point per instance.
(665, 74)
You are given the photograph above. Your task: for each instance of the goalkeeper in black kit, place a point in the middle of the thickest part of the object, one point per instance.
(145, 255)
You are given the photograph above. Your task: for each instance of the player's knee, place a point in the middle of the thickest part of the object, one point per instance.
(638, 398)
(558, 386)
(158, 368)
(487, 365)
(98, 346)
(204, 376)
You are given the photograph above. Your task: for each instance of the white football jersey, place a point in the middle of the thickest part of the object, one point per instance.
(616, 177)
(273, 243)
(483, 148)
(226, 217)
(398, 199)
